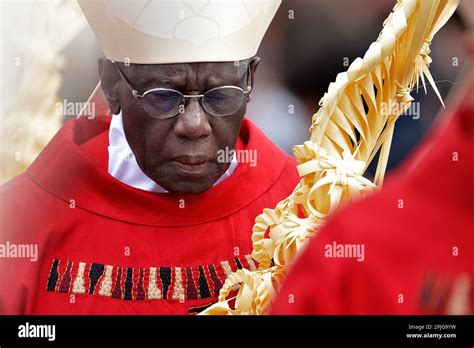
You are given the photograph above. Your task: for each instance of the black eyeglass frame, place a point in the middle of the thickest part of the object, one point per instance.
(137, 95)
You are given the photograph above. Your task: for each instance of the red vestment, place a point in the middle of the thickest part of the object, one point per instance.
(108, 248)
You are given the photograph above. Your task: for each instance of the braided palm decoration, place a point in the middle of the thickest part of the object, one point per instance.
(355, 122)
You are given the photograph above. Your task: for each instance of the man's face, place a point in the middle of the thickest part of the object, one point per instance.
(178, 153)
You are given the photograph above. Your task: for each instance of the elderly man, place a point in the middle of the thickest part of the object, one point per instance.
(147, 210)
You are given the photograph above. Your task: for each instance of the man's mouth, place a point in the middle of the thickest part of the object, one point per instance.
(191, 165)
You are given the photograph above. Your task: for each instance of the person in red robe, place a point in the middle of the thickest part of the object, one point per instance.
(407, 249)
(147, 208)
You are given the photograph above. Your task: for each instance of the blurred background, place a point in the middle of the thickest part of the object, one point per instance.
(49, 55)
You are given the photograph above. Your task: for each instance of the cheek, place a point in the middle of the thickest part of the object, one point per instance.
(226, 134)
(226, 130)
(145, 135)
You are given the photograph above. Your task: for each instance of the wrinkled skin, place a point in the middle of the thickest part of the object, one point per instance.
(179, 153)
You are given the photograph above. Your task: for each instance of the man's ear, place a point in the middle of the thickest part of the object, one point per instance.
(109, 79)
(253, 64)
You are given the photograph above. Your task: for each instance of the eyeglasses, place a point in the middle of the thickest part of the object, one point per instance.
(163, 103)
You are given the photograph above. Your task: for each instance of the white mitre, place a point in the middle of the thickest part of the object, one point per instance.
(179, 31)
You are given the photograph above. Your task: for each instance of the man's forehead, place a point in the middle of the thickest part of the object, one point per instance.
(182, 71)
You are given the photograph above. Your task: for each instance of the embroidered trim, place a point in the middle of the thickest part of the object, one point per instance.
(66, 279)
(203, 286)
(178, 290)
(78, 286)
(216, 282)
(106, 286)
(142, 283)
(165, 276)
(53, 276)
(154, 293)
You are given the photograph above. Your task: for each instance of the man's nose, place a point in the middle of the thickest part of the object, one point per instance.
(192, 122)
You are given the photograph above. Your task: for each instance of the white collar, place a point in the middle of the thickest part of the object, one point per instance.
(123, 165)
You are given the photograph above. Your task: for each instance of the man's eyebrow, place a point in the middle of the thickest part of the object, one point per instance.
(141, 78)
(229, 78)
(149, 81)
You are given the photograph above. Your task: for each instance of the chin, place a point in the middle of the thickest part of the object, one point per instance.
(188, 187)
(175, 184)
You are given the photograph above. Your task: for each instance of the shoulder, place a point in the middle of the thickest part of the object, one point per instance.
(24, 204)
(16, 188)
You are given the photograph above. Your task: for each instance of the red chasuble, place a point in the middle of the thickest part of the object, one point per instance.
(107, 248)
(417, 236)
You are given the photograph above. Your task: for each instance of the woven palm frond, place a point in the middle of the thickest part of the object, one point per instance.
(355, 122)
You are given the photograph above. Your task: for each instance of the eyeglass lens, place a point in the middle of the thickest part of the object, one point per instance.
(167, 103)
